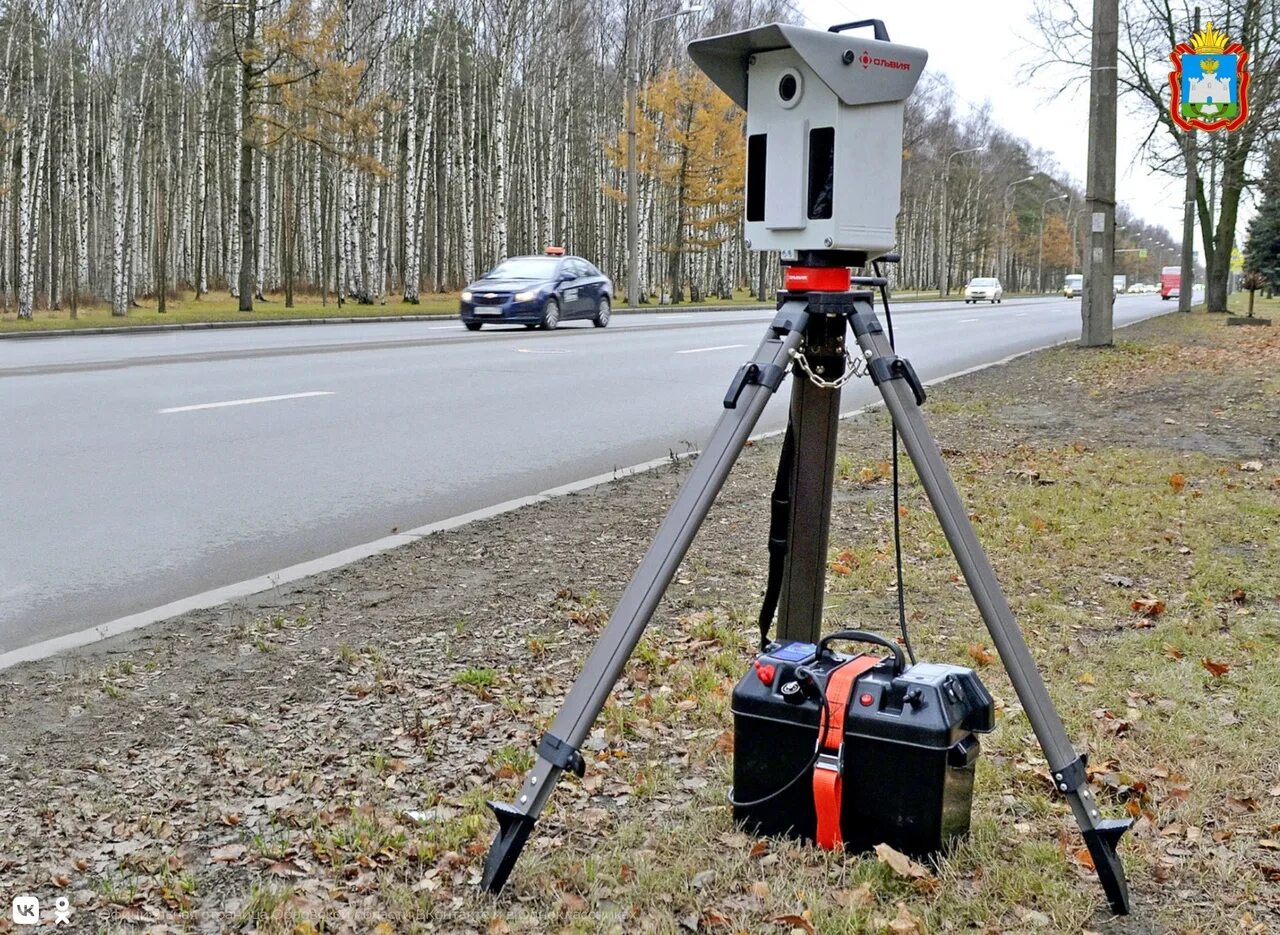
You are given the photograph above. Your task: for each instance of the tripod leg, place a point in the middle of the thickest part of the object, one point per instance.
(903, 394)
(559, 750)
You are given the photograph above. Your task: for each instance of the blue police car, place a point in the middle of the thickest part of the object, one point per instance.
(538, 292)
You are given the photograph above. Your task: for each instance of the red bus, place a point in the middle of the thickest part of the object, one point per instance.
(1170, 281)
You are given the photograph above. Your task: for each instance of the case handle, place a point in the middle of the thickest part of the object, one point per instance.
(882, 34)
(862, 636)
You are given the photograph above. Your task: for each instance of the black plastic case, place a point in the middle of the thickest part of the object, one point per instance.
(909, 759)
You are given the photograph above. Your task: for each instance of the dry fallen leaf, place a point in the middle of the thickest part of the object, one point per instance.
(286, 868)
(1083, 858)
(760, 889)
(1238, 595)
(384, 928)
(1173, 652)
(1216, 669)
(900, 863)
(796, 922)
(572, 902)
(1177, 482)
(1148, 606)
(855, 898)
(906, 922)
(840, 568)
(227, 853)
(713, 919)
(979, 654)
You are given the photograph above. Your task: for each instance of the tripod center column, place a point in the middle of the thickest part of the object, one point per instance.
(815, 420)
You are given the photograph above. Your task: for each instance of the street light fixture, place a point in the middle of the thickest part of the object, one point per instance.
(1040, 261)
(1004, 220)
(633, 81)
(946, 219)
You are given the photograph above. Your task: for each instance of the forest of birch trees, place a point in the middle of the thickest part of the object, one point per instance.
(371, 151)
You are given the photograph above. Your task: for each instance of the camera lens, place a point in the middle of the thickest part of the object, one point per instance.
(787, 87)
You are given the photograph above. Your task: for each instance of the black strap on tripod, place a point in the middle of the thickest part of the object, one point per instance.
(779, 521)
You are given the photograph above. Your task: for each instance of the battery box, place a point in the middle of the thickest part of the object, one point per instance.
(909, 752)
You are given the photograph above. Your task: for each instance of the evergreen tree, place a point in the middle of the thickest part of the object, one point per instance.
(1262, 249)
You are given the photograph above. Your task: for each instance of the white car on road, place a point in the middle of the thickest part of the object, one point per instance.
(981, 289)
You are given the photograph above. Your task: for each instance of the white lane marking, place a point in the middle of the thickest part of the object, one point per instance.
(244, 402)
(965, 321)
(535, 350)
(718, 347)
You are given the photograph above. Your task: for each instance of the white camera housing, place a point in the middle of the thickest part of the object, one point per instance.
(824, 133)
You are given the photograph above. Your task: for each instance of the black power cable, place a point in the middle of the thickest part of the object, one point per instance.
(823, 722)
(897, 518)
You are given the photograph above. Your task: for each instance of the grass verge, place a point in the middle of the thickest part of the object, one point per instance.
(320, 761)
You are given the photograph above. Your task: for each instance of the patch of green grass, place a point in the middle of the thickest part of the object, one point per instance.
(477, 679)
(220, 307)
(518, 759)
(267, 909)
(1238, 304)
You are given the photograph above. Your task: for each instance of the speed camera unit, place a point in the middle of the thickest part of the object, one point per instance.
(824, 132)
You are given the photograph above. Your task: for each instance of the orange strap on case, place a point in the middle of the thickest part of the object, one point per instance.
(829, 769)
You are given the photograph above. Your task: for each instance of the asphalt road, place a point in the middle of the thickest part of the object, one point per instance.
(140, 469)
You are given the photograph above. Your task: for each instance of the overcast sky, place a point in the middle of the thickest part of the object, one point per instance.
(978, 46)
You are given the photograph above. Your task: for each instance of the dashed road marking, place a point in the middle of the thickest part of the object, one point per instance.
(244, 402)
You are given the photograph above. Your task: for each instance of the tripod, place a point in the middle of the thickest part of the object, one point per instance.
(808, 330)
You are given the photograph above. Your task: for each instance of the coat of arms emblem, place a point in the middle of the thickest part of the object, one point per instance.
(1210, 82)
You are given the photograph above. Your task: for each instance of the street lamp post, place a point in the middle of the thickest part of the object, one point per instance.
(1004, 220)
(633, 81)
(1040, 260)
(945, 252)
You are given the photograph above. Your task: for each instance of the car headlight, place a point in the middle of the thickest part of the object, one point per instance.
(466, 295)
(527, 296)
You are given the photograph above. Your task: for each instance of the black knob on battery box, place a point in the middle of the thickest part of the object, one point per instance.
(792, 692)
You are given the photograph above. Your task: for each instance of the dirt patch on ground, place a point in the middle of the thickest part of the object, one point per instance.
(317, 759)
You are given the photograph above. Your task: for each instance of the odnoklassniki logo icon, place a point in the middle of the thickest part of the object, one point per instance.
(1210, 82)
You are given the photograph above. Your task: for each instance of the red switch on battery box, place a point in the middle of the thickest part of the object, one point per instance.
(764, 671)
(866, 699)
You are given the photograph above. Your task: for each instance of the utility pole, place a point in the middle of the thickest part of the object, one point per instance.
(633, 222)
(1189, 213)
(1096, 310)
